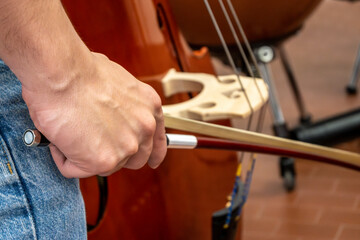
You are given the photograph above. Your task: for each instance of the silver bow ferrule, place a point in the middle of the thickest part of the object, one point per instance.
(181, 141)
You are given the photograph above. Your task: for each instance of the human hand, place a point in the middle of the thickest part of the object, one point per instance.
(99, 119)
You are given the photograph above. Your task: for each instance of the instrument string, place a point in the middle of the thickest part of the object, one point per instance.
(235, 190)
(246, 41)
(250, 70)
(247, 184)
(230, 59)
(254, 62)
(253, 75)
(236, 38)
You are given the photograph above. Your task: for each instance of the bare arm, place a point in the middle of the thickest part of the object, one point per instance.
(97, 115)
(37, 40)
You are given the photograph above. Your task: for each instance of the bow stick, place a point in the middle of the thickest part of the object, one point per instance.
(228, 138)
(262, 143)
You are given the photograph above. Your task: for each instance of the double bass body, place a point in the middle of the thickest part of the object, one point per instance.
(176, 200)
(262, 21)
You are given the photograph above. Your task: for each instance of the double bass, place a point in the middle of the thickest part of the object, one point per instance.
(176, 200)
(263, 22)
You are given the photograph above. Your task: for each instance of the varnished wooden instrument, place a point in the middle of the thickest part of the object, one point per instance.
(175, 201)
(263, 21)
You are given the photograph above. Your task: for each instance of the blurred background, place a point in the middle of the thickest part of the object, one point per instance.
(325, 203)
(321, 40)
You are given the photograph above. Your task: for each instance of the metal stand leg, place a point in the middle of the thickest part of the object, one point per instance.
(265, 55)
(305, 117)
(351, 87)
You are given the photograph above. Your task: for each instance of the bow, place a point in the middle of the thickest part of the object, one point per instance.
(266, 143)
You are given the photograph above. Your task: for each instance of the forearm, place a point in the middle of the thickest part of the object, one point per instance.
(39, 44)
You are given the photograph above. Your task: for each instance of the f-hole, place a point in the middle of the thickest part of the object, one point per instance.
(164, 26)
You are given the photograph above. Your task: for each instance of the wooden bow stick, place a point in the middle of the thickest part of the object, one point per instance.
(290, 147)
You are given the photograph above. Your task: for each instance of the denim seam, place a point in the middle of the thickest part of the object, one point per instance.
(24, 198)
(7, 160)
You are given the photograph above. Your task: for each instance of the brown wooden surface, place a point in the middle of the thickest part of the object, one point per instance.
(261, 20)
(175, 201)
(326, 202)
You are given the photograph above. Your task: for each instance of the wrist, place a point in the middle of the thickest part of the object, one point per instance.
(63, 71)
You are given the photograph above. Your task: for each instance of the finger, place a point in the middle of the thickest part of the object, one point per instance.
(66, 168)
(159, 144)
(120, 165)
(139, 159)
(100, 55)
(58, 156)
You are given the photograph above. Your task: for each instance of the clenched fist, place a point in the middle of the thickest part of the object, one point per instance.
(98, 117)
(100, 120)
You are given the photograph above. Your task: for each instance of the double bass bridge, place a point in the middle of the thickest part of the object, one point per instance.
(219, 97)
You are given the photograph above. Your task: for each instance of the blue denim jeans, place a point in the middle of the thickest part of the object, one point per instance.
(36, 201)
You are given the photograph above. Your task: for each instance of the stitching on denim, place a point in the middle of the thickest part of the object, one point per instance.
(31, 218)
(7, 159)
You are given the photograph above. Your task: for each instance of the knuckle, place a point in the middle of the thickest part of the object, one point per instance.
(157, 102)
(157, 106)
(140, 160)
(148, 125)
(153, 97)
(130, 148)
(114, 159)
(106, 164)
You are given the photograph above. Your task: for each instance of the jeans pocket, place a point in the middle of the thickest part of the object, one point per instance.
(15, 215)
